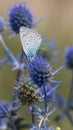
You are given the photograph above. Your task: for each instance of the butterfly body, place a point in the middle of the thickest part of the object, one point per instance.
(30, 40)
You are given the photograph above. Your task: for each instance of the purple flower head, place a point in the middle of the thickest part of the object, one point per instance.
(69, 57)
(19, 16)
(40, 71)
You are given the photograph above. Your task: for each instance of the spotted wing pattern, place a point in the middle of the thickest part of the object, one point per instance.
(30, 40)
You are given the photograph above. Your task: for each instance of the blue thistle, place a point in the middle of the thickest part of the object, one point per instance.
(40, 70)
(19, 16)
(69, 57)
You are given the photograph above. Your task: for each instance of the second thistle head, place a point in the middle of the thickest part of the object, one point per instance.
(40, 71)
(26, 92)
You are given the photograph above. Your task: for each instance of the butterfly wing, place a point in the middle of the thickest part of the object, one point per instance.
(30, 40)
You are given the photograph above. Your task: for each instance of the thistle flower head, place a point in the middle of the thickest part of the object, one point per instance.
(40, 71)
(2, 24)
(26, 92)
(19, 16)
(69, 57)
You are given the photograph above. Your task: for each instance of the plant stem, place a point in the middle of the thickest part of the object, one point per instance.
(13, 125)
(19, 70)
(18, 77)
(45, 98)
(72, 80)
(70, 101)
(33, 116)
(71, 90)
(11, 56)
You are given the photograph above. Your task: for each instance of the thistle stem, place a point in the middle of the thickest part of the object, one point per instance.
(33, 116)
(19, 70)
(70, 97)
(71, 88)
(11, 56)
(13, 125)
(18, 77)
(45, 98)
(72, 80)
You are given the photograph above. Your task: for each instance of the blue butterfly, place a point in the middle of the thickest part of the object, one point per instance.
(30, 40)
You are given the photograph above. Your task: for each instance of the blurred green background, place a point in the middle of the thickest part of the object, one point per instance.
(58, 25)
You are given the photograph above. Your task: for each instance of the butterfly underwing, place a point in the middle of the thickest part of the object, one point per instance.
(30, 40)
